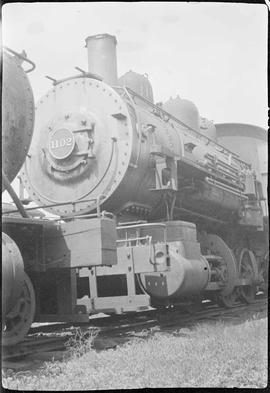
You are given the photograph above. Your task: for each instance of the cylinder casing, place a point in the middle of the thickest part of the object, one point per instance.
(188, 272)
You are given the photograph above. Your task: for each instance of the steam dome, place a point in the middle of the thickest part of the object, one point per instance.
(184, 110)
(139, 83)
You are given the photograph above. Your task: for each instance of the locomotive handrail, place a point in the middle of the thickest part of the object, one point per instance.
(62, 204)
(82, 75)
(236, 156)
(142, 225)
(137, 240)
(124, 224)
(23, 57)
(148, 224)
(147, 237)
(103, 214)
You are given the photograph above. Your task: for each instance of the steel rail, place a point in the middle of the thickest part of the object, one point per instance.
(125, 327)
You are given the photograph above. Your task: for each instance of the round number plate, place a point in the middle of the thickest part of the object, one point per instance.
(61, 143)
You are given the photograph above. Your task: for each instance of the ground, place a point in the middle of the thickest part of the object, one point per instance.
(218, 354)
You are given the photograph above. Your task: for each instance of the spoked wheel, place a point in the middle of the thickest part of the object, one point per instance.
(19, 319)
(226, 270)
(248, 270)
(226, 300)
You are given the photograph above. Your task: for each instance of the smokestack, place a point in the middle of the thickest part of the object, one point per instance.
(101, 50)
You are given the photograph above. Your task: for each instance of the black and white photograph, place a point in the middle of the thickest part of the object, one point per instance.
(135, 250)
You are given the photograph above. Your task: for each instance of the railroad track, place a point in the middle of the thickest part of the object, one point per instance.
(46, 342)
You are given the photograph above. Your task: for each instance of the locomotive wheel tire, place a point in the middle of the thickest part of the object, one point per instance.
(247, 269)
(226, 300)
(266, 268)
(247, 294)
(18, 321)
(264, 273)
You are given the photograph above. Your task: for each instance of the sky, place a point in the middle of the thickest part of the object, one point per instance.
(214, 54)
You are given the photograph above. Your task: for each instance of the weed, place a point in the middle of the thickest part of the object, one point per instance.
(210, 355)
(80, 342)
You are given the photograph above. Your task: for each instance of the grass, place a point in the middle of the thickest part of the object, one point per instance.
(209, 355)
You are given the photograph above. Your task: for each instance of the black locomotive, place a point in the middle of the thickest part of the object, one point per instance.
(153, 205)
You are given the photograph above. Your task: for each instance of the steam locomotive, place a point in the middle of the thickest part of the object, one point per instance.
(153, 205)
